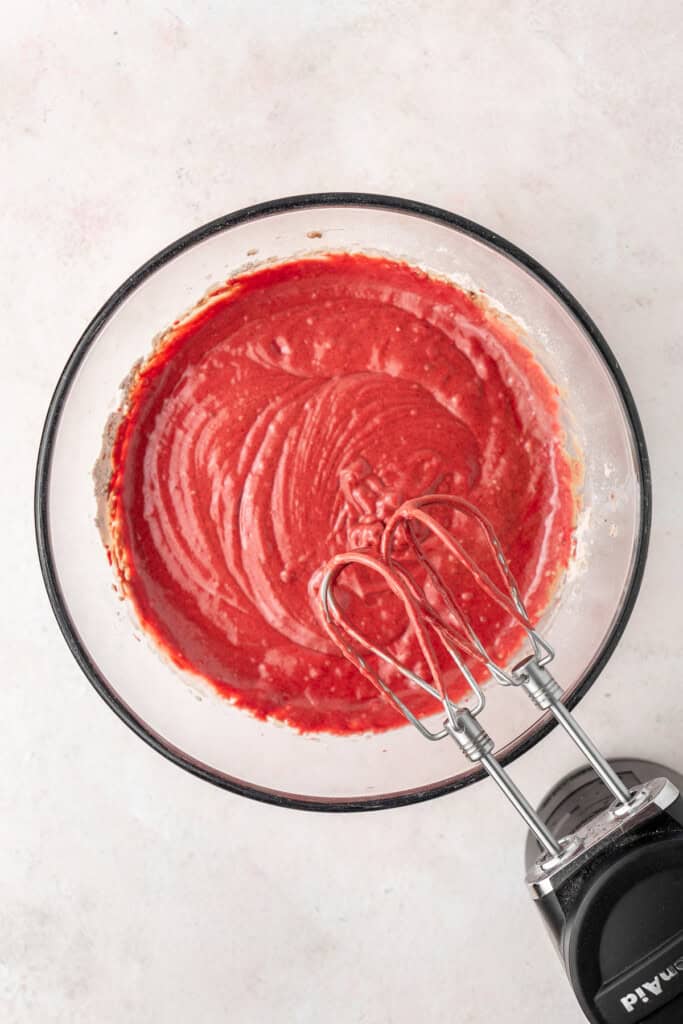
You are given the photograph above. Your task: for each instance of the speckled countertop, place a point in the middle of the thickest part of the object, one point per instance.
(130, 891)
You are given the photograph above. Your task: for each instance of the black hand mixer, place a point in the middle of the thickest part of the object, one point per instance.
(605, 849)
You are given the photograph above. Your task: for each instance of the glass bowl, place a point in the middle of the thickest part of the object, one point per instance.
(189, 723)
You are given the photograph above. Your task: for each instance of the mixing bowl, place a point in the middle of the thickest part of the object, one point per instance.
(184, 719)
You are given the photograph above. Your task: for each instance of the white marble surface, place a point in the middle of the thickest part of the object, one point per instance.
(130, 891)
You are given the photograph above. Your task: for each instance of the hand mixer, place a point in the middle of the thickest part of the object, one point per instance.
(605, 854)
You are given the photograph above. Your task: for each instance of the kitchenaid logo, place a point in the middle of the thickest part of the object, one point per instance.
(653, 988)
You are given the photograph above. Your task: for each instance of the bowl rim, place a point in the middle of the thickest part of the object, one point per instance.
(88, 339)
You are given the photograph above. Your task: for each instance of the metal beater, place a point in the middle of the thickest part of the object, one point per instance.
(414, 523)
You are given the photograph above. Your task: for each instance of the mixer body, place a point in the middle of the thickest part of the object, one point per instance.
(614, 906)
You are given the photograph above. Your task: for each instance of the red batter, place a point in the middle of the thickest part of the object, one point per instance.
(282, 422)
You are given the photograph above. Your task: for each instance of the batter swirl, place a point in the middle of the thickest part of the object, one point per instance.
(283, 421)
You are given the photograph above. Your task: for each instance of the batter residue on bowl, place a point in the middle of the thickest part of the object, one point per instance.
(281, 422)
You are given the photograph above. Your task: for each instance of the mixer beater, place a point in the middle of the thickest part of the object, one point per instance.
(451, 626)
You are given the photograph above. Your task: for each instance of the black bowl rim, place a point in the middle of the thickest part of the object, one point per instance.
(88, 338)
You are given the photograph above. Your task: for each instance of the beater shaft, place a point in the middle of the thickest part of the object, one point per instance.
(545, 693)
(477, 745)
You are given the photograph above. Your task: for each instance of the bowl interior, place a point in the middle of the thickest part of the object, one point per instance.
(184, 717)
